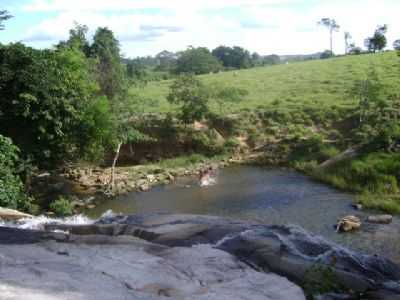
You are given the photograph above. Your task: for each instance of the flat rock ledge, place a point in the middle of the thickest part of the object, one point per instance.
(7, 214)
(163, 256)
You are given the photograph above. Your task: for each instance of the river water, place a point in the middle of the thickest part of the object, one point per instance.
(271, 196)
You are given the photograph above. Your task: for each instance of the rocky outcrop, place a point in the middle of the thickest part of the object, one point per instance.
(129, 179)
(285, 250)
(192, 257)
(98, 266)
(8, 214)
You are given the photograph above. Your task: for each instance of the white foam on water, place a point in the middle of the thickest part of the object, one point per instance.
(232, 236)
(208, 182)
(38, 223)
(108, 214)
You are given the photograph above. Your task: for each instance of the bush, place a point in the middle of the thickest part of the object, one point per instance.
(313, 148)
(192, 96)
(326, 54)
(96, 130)
(62, 207)
(12, 194)
(231, 145)
(207, 143)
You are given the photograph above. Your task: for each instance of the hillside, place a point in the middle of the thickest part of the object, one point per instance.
(306, 114)
(314, 83)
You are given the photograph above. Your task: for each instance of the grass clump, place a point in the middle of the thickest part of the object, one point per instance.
(321, 279)
(62, 207)
(386, 203)
(182, 161)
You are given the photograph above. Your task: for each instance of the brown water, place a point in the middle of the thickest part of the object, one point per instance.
(272, 196)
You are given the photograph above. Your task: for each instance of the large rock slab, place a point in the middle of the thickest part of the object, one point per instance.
(204, 256)
(286, 250)
(101, 267)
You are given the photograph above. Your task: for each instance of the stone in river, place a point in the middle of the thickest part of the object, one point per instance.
(348, 223)
(380, 219)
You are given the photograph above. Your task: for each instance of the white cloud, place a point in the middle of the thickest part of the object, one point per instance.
(265, 26)
(117, 5)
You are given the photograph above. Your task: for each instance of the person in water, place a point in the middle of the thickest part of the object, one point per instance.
(204, 175)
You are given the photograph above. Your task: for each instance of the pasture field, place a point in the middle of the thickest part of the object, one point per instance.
(287, 86)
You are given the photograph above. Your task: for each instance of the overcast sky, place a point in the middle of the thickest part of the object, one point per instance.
(146, 27)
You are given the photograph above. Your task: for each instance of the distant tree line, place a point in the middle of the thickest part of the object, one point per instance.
(375, 43)
(196, 60)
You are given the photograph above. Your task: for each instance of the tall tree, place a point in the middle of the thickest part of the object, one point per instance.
(378, 41)
(233, 57)
(166, 60)
(332, 27)
(396, 45)
(272, 59)
(192, 96)
(4, 16)
(77, 39)
(347, 43)
(105, 49)
(124, 133)
(136, 69)
(197, 61)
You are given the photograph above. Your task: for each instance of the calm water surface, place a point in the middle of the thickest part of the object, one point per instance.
(272, 196)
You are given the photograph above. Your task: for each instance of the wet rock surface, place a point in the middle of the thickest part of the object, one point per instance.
(155, 256)
(380, 219)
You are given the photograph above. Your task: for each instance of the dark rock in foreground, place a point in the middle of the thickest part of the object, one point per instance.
(183, 257)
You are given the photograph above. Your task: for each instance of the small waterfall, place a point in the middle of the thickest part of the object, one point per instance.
(38, 223)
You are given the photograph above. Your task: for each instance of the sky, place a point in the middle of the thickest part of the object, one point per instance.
(146, 27)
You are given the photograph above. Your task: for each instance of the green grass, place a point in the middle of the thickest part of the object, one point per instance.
(383, 202)
(373, 177)
(312, 83)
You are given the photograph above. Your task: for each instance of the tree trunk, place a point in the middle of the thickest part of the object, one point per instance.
(112, 179)
(131, 152)
(331, 40)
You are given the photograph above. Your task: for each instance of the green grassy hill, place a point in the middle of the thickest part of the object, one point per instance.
(314, 83)
(305, 110)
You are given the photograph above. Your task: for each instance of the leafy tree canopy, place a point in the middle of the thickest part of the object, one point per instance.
(77, 39)
(105, 49)
(197, 61)
(378, 41)
(235, 57)
(11, 188)
(192, 96)
(43, 105)
(4, 16)
(326, 54)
